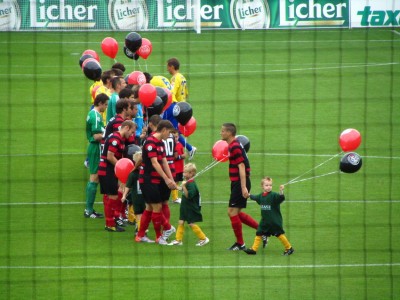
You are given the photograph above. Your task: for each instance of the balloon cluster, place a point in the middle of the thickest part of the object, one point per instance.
(220, 148)
(136, 46)
(350, 140)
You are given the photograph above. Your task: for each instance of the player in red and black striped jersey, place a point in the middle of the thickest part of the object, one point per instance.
(112, 151)
(239, 175)
(156, 181)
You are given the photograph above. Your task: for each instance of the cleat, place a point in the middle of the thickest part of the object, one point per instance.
(86, 163)
(288, 251)
(264, 240)
(166, 233)
(120, 222)
(192, 152)
(250, 251)
(175, 243)
(144, 239)
(161, 241)
(237, 247)
(93, 215)
(114, 229)
(177, 201)
(203, 242)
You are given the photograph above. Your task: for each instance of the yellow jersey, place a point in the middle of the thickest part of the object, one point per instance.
(104, 90)
(92, 87)
(179, 87)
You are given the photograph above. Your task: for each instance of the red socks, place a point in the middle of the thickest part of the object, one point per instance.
(144, 222)
(157, 219)
(165, 211)
(247, 220)
(237, 229)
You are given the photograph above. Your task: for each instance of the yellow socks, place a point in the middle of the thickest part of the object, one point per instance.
(131, 213)
(256, 243)
(179, 232)
(285, 241)
(174, 195)
(198, 232)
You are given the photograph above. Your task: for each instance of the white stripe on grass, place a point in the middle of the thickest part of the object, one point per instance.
(185, 267)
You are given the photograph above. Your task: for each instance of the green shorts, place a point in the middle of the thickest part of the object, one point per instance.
(93, 154)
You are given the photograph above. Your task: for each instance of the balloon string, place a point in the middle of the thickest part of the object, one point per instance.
(291, 182)
(210, 166)
(321, 164)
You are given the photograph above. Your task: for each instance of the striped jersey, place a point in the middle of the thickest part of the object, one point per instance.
(152, 147)
(114, 143)
(237, 155)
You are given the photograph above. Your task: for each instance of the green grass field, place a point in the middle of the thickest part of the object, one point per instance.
(290, 92)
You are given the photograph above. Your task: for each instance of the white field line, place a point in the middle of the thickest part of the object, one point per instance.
(203, 153)
(224, 202)
(396, 32)
(215, 267)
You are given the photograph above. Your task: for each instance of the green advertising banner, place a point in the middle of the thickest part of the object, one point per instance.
(142, 15)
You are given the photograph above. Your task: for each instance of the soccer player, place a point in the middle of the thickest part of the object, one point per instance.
(180, 156)
(190, 210)
(178, 81)
(239, 174)
(113, 151)
(94, 134)
(117, 83)
(271, 218)
(105, 88)
(155, 181)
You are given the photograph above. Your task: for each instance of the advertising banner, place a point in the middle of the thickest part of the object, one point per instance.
(142, 15)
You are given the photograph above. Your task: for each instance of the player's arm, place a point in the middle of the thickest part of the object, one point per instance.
(159, 169)
(242, 176)
(111, 157)
(98, 136)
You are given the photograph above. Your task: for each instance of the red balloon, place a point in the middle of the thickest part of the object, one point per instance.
(88, 60)
(147, 94)
(350, 139)
(169, 102)
(188, 128)
(146, 49)
(110, 47)
(136, 77)
(123, 168)
(92, 53)
(220, 151)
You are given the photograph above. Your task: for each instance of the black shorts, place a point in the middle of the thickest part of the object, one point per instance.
(178, 177)
(236, 199)
(109, 183)
(155, 193)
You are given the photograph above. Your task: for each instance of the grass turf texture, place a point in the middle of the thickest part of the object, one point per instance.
(290, 92)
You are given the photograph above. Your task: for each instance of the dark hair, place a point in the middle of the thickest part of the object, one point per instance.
(100, 98)
(115, 81)
(119, 66)
(148, 77)
(118, 72)
(107, 75)
(122, 104)
(125, 93)
(164, 124)
(135, 91)
(155, 120)
(173, 62)
(230, 127)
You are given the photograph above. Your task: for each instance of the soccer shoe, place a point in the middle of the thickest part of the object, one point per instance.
(237, 247)
(203, 242)
(144, 239)
(93, 215)
(177, 201)
(175, 243)
(120, 222)
(161, 241)
(192, 152)
(250, 251)
(264, 240)
(114, 229)
(288, 251)
(166, 233)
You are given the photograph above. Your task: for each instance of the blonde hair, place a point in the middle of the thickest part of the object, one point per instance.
(266, 178)
(137, 158)
(191, 168)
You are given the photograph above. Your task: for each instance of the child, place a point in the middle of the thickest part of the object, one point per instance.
(190, 210)
(271, 219)
(179, 160)
(132, 191)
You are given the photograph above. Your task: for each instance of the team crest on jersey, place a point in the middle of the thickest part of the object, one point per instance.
(149, 148)
(114, 143)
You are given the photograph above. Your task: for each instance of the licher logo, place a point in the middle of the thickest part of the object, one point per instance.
(128, 14)
(354, 159)
(313, 13)
(10, 16)
(250, 14)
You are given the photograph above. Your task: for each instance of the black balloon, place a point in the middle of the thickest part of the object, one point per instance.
(156, 108)
(182, 112)
(128, 53)
(162, 94)
(130, 150)
(83, 58)
(92, 70)
(350, 163)
(244, 141)
(133, 41)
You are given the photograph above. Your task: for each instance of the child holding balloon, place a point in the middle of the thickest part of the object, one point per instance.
(271, 222)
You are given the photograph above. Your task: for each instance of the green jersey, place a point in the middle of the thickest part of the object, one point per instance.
(190, 210)
(112, 106)
(94, 124)
(271, 218)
